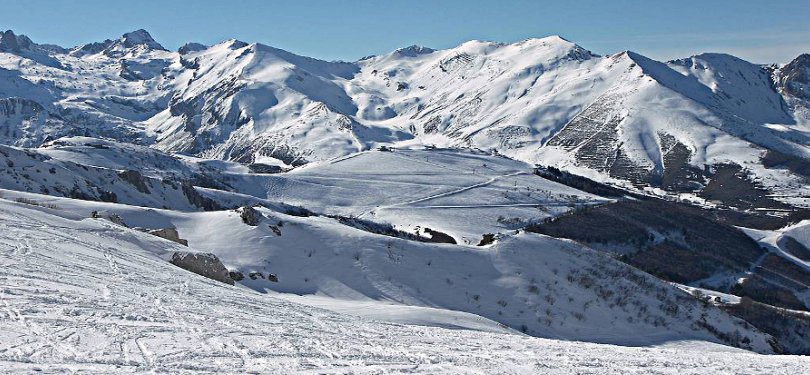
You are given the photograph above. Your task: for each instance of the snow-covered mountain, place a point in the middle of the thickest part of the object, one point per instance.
(547, 101)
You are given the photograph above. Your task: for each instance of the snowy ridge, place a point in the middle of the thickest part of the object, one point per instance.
(529, 100)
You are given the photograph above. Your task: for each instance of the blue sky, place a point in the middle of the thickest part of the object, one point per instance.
(759, 31)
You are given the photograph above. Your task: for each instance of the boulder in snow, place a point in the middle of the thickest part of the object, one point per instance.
(249, 215)
(170, 234)
(203, 264)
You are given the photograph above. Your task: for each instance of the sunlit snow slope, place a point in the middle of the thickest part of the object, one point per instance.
(535, 284)
(547, 100)
(129, 310)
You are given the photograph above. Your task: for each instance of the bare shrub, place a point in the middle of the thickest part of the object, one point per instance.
(32, 202)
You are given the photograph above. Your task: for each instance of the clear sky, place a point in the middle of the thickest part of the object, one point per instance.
(760, 31)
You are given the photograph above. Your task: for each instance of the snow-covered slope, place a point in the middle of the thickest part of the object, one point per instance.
(544, 100)
(87, 175)
(535, 284)
(465, 194)
(131, 311)
(477, 200)
(461, 193)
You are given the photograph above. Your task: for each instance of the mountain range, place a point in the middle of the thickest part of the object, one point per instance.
(547, 101)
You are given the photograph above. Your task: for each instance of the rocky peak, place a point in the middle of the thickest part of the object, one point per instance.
(137, 38)
(90, 48)
(120, 46)
(9, 42)
(191, 47)
(235, 44)
(413, 51)
(794, 77)
(797, 70)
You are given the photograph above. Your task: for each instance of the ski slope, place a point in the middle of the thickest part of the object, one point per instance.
(530, 283)
(128, 310)
(465, 194)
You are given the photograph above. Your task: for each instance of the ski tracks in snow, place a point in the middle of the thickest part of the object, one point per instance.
(55, 318)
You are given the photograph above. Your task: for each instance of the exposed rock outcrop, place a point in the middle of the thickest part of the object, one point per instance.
(170, 234)
(236, 275)
(249, 215)
(191, 47)
(439, 237)
(8, 42)
(136, 179)
(794, 78)
(203, 264)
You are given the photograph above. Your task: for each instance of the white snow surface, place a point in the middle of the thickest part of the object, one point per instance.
(464, 194)
(87, 296)
(536, 284)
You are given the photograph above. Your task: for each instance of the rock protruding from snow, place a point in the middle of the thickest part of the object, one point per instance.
(9, 42)
(89, 48)
(136, 179)
(203, 264)
(249, 215)
(413, 51)
(191, 47)
(170, 234)
(234, 44)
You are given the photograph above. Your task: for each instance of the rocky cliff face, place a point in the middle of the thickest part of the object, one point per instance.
(794, 77)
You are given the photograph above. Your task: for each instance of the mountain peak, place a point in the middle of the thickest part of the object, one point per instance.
(558, 38)
(566, 47)
(234, 44)
(803, 60)
(548, 39)
(795, 77)
(191, 47)
(139, 37)
(120, 46)
(8, 42)
(711, 58)
(413, 51)
(476, 47)
(11, 42)
(633, 57)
